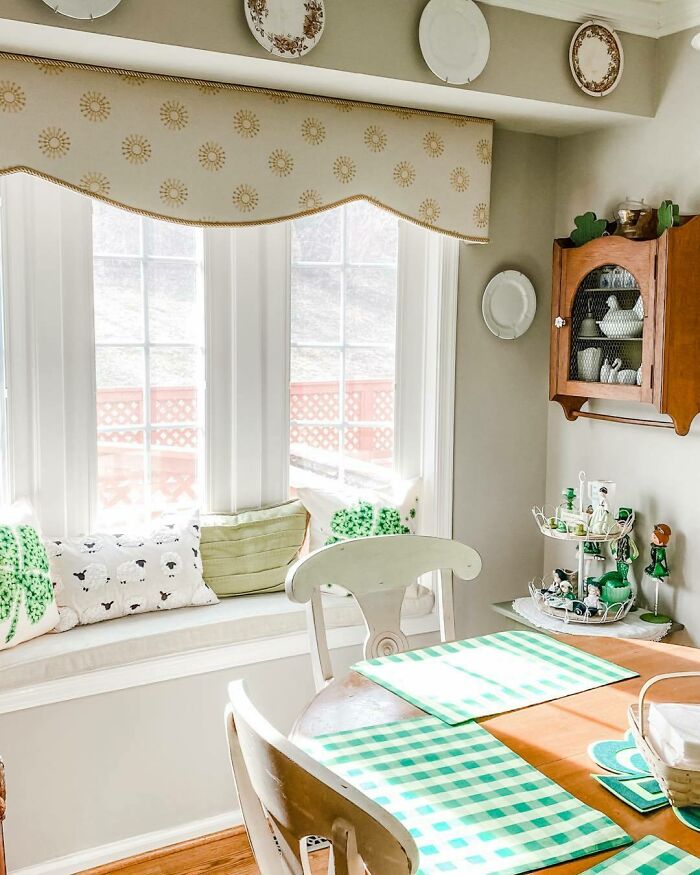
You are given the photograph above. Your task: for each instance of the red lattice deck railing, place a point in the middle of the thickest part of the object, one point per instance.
(174, 415)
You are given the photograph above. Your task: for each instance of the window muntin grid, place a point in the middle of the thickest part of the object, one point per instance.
(149, 364)
(343, 328)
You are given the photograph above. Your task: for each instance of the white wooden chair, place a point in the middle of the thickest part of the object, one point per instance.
(377, 571)
(285, 792)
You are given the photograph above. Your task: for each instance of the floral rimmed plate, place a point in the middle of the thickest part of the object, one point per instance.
(596, 58)
(286, 28)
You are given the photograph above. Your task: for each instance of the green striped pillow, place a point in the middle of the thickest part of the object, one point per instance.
(250, 552)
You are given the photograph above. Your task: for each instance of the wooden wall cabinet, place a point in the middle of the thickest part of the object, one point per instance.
(664, 354)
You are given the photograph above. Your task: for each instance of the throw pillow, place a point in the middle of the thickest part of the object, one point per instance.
(99, 577)
(251, 552)
(338, 515)
(27, 603)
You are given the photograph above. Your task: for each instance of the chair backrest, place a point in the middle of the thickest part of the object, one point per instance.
(285, 792)
(377, 571)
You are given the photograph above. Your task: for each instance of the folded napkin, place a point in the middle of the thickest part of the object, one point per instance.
(675, 733)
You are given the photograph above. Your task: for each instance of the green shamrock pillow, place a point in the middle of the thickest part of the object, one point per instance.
(339, 514)
(27, 604)
(366, 519)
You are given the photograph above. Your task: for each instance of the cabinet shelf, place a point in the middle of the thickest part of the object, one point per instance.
(612, 339)
(614, 289)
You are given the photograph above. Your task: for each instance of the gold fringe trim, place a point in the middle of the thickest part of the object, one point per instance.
(200, 223)
(249, 89)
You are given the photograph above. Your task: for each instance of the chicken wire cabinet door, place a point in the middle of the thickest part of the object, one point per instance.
(603, 320)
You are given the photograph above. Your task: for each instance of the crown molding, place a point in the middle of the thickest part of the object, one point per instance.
(652, 18)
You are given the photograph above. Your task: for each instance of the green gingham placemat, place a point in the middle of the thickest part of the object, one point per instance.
(650, 856)
(489, 675)
(470, 803)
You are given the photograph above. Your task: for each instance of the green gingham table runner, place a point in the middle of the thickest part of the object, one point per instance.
(482, 676)
(470, 803)
(650, 856)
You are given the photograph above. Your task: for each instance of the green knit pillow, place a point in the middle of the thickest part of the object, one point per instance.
(27, 603)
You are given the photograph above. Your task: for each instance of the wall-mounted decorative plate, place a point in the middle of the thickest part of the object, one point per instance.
(83, 8)
(509, 304)
(596, 58)
(286, 28)
(454, 39)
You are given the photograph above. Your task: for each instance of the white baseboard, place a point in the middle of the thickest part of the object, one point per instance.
(133, 846)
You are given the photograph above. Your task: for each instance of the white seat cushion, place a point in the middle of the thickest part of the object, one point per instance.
(143, 637)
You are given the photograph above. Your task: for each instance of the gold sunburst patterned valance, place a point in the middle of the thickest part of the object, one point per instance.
(211, 153)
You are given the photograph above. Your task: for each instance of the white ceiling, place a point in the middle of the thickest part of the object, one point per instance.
(654, 18)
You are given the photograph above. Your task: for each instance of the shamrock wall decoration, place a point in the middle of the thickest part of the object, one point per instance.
(365, 520)
(24, 577)
(588, 227)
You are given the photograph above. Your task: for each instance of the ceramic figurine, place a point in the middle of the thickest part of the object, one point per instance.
(592, 603)
(602, 521)
(559, 576)
(569, 494)
(659, 542)
(624, 551)
(562, 527)
(592, 548)
(614, 368)
(567, 590)
(657, 569)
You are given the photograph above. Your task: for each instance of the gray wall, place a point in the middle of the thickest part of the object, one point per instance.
(657, 472)
(378, 37)
(501, 392)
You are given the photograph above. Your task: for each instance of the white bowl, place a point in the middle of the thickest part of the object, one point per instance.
(622, 328)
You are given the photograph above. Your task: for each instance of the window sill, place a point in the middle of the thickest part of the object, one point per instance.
(151, 648)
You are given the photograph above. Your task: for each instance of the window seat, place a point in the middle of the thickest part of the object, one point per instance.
(148, 648)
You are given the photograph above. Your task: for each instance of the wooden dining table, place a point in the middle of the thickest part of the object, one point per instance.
(554, 736)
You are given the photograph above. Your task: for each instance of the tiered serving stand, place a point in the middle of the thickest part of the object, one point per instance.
(611, 612)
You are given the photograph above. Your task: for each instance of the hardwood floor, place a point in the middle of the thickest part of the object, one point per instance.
(224, 853)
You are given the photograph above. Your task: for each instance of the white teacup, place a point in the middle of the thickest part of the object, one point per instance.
(589, 364)
(628, 376)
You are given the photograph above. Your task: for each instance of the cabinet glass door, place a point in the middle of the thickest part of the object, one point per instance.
(607, 328)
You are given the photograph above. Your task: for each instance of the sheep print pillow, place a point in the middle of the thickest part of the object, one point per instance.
(99, 577)
(27, 604)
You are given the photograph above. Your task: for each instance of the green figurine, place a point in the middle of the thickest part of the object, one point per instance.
(657, 569)
(624, 550)
(569, 494)
(592, 548)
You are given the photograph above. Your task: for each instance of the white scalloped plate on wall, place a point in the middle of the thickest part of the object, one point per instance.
(509, 304)
(454, 39)
(84, 9)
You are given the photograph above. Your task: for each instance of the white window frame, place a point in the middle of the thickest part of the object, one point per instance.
(148, 346)
(341, 345)
(50, 360)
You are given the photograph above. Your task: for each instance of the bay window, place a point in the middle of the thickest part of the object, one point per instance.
(149, 365)
(152, 366)
(343, 346)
